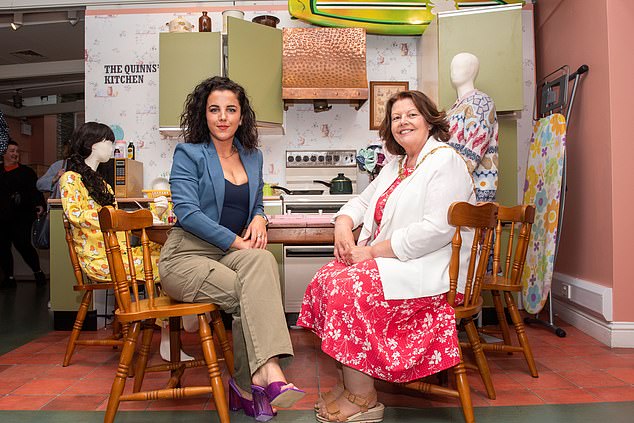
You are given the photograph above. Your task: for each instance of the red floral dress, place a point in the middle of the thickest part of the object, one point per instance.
(393, 340)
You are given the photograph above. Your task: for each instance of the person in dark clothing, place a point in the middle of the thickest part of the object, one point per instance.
(20, 204)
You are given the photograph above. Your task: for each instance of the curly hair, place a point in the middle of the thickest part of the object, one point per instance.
(435, 118)
(81, 143)
(194, 121)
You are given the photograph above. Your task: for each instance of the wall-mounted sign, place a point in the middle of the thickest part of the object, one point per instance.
(127, 74)
(387, 17)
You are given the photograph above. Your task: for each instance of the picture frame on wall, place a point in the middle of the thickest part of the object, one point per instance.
(380, 92)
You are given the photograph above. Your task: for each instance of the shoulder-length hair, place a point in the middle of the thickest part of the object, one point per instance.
(81, 143)
(435, 118)
(194, 122)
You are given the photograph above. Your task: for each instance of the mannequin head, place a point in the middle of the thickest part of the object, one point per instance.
(92, 142)
(464, 70)
(90, 145)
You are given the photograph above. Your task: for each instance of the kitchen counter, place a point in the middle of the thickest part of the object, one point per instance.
(123, 200)
(296, 229)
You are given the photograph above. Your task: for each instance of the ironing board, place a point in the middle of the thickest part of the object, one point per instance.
(542, 187)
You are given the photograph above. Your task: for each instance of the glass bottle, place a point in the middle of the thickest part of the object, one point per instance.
(131, 151)
(204, 23)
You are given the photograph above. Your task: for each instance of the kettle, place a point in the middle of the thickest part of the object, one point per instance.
(339, 185)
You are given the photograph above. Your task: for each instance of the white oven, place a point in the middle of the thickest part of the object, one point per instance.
(301, 262)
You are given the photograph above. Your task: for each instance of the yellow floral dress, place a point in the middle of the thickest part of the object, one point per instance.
(82, 212)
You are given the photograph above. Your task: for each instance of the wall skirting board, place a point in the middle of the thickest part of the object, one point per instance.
(576, 301)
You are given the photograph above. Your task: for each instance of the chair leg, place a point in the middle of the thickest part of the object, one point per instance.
(79, 322)
(521, 333)
(117, 332)
(175, 345)
(481, 360)
(213, 368)
(462, 385)
(118, 384)
(221, 334)
(499, 310)
(143, 355)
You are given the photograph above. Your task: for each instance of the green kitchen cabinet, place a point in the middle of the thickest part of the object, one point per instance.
(507, 166)
(494, 35)
(253, 59)
(275, 208)
(185, 59)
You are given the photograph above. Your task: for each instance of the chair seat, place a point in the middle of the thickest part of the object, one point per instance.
(162, 307)
(462, 311)
(500, 283)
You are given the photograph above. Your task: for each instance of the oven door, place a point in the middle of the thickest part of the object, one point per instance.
(301, 262)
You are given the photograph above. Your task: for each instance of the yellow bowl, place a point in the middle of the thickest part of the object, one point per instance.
(153, 193)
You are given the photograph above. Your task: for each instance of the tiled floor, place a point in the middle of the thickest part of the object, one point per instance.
(573, 370)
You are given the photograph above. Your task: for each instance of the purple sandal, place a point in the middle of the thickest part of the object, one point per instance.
(261, 411)
(277, 396)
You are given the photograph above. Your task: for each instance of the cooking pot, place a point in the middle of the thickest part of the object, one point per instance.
(339, 185)
(179, 24)
(267, 20)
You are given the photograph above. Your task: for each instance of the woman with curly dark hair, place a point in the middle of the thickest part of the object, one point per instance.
(216, 252)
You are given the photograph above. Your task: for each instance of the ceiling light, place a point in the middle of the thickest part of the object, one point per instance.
(72, 17)
(17, 21)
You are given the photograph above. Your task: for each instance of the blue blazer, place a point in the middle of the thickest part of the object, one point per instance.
(198, 190)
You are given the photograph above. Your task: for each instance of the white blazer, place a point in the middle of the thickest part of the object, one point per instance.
(415, 222)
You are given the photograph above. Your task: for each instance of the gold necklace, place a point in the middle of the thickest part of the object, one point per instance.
(233, 151)
(401, 165)
(402, 168)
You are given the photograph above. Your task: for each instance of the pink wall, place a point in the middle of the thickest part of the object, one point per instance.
(621, 71)
(596, 233)
(574, 33)
(49, 139)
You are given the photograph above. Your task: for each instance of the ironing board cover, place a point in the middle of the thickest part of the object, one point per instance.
(542, 188)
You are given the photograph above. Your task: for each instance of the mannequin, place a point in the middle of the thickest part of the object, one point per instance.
(77, 198)
(474, 126)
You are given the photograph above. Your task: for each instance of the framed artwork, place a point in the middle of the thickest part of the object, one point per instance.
(380, 92)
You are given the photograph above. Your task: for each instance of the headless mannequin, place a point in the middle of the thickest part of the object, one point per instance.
(474, 127)
(101, 152)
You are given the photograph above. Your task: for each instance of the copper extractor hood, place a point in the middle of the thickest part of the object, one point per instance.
(324, 66)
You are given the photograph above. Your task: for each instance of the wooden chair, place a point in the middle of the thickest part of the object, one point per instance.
(508, 264)
(88, 288)
(482, 218)
(142, 313)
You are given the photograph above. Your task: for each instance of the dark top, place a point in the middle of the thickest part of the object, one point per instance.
(18, 194)
(235, 210)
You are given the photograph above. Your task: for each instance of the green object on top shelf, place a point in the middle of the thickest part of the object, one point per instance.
(384, 17)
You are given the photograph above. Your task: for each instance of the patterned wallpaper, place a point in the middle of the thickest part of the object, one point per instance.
(117, 41)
